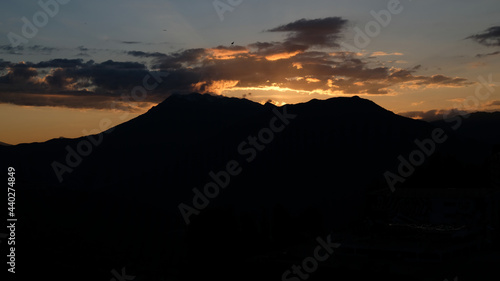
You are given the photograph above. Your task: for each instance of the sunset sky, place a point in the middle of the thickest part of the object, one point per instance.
(86, 61)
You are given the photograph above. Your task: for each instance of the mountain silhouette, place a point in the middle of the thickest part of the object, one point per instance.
(121, 202)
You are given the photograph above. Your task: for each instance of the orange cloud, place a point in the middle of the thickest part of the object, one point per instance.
(297, 65)
(312, 80)
(380, 54)
(215, 86)
(223, 53)
(280, 56)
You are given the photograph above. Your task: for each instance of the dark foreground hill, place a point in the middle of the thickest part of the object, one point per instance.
(480, 126)
(277, 177)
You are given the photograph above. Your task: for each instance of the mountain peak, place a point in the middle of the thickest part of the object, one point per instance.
(197, 97)
(196, 100)
(346, 105)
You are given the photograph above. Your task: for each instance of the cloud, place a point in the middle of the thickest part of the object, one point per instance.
(79, 100)
(42, 49)
(21, 50)
(64, 63)
(4, 64)
(408, 80)
(440, 80)
(489, 37)
(176, 60)
(82, 48)
(494, 103)
(214, 86)
(488, 54)
(225, 53)
(21, 73)
(82, 55)
(8, 49)
(130, 42)
(141, 54)
(76, 84)
(277, 50)
(380, 54)
(303, 62)
(317, 32)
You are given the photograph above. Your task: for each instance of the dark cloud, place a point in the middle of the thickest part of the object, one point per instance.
(130, 42)
(109, 64)
(488, 54)
(19, 78)
(8, 49)
(64, 63)
(21, 73)
(403, 76)
(82, 48)
(489, 37)
(81, 99)
(443, 80)
(43, 49)
(82, 51)
(317, 32)
(82, 55)
(141, 54)
(58, 79)
(232, 48)
(109, 75)
(20, 50)
(4, 64)
(262, 45)
(176, 60)
(74, 83)
(278, 48)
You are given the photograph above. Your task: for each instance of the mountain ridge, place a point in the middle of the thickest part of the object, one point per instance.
(191, 120)
(318, 172)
